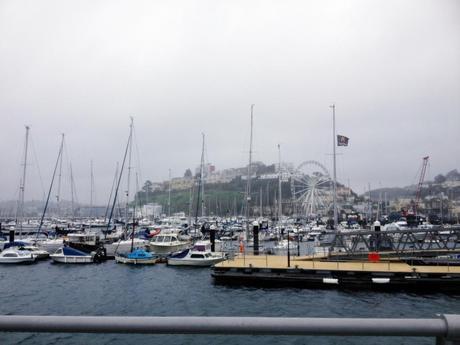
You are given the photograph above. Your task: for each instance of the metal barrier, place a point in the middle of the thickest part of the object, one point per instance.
(445, 328)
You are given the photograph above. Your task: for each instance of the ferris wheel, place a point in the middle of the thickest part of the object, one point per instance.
(311, 189)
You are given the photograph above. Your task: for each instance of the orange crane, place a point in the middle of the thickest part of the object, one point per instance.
(420, 183)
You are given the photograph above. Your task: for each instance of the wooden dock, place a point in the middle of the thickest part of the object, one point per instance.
(310, 263)
(308, 272)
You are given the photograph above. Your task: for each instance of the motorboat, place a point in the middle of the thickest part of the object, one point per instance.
(199, 255)
(69, 255)
(35, 251)
(15, 256)
(137, 257)
(165, 244)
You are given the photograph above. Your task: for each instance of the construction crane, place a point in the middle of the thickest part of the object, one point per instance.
(420, 183)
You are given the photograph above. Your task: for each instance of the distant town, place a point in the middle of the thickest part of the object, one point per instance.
(305, 192)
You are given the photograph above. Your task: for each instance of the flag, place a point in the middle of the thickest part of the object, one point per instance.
(342, 140)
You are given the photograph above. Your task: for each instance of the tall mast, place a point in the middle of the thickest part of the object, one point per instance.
(72, 201)
(335, 172)
(58, 195)
(261, 212)
(23, 184)
(59, 157)
(169, 195)
(280, 210)
(91, 194)
(203, 203)
(129, 172)
(119, 177)
(200, 186)
(190, 207)
(248, 186)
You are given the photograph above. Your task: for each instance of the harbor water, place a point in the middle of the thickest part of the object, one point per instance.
(122, 290)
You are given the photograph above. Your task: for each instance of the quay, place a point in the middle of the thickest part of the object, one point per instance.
(309, 272)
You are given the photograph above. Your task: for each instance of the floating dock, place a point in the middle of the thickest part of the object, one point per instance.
(306, 272)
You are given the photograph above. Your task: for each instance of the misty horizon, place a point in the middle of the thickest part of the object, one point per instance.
(182, 68)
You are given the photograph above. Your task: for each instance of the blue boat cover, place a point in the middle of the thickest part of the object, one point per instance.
(73, 252)
(14, 244)
(140, 254)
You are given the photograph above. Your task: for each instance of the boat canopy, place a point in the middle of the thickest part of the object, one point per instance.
(140, 254)
(73, 252)
(15, 244)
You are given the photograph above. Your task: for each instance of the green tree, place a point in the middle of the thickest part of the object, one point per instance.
(148, 187)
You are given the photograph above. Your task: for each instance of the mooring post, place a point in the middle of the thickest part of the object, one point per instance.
(255, 234)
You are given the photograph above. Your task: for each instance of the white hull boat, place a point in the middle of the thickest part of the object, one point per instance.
(67, 255)
(167, 244)
(14, 256)
(190, 257)
(200, 255)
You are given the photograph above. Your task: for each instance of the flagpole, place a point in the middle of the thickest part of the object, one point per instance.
(335, 173)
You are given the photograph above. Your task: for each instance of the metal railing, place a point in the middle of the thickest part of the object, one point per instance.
(445, 328)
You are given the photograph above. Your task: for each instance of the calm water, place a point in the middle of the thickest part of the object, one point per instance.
(111, 289)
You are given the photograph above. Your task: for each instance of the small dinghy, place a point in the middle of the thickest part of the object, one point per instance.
(15, 256)
(137, 257)
(68, 255)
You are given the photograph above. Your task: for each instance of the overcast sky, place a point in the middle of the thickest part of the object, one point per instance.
(185, 67)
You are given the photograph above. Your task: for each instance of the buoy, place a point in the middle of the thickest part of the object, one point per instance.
(241, 247)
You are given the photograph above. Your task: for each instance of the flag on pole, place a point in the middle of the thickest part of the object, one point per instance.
(342, 140)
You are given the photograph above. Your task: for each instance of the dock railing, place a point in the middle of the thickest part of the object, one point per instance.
(445, 329)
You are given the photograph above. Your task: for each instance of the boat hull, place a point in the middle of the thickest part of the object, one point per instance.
(129, 261)
(166, 249)
(194, 262)
(26, 260)
(71, 259)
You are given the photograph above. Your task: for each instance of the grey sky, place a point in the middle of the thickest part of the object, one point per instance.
(185, 67)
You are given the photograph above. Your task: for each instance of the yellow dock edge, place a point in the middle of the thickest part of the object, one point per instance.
(309, 263)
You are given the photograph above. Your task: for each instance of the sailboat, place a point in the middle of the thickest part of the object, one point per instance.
(137, 256)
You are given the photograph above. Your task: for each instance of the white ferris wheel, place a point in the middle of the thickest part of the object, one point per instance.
(311, 189)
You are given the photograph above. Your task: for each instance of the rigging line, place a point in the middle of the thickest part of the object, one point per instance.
(119, 180)
(51, 187)
(111, 192)
(34, 151)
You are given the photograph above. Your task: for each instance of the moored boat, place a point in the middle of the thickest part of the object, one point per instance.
(15, 256)
(137, 257)
(199, 255)
(167, 244)
(68, 255)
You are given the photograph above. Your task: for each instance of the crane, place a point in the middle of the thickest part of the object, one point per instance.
(420, 183)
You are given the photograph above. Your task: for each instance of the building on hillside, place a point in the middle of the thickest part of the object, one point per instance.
(180, 183)
(152, 210)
